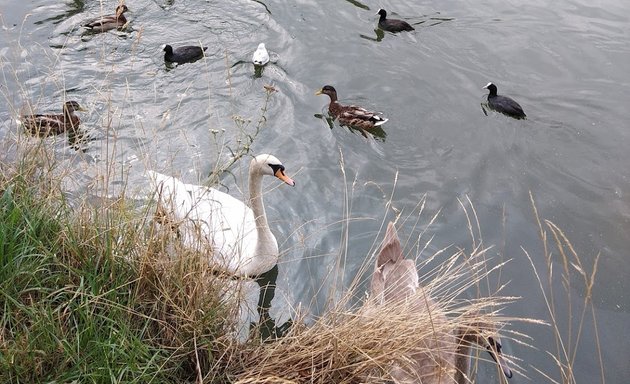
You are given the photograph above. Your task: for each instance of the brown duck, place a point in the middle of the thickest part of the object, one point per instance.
(48, 125)
(106, 23)
(351, 115)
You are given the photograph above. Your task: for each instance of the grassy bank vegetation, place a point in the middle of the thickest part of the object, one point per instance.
(90, 293)
(84, 295)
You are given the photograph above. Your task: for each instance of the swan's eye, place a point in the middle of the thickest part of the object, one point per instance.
(277, 167)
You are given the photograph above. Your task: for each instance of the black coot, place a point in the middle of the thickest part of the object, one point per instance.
(503, 104)
(185, 54)
(392, 25)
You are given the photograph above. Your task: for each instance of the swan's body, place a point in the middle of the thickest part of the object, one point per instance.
(261, 56)
(395, 279)
(238, 236)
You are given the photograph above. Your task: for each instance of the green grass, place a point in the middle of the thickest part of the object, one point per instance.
(65, 306)
(80, 303)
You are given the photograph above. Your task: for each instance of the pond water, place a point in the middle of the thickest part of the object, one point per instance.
(567, 64)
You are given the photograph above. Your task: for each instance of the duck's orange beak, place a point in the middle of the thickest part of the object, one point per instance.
(319, 92)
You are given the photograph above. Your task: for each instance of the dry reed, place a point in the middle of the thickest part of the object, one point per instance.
(361, 343)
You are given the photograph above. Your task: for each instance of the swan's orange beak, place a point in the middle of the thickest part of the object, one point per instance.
(280, 175)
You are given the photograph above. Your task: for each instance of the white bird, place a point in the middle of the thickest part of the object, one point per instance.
(237, 236)
(261, 56)
(395, 279)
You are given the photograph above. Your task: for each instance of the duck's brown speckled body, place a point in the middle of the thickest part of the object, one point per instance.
(48, 125)
(351, 115)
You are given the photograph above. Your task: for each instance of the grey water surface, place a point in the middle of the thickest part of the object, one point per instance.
(567, 63)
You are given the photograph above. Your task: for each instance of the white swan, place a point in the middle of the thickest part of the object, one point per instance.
(395, 279)
(238, 236)
(261, 56)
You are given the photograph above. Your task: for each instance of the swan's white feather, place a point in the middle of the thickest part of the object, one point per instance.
(212, 220)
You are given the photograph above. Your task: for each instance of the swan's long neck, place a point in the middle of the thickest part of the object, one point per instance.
(256, 201)
(266, 240)
(266, 254)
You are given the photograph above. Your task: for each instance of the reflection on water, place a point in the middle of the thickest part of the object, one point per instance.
(376, 132)
(358, 4)
(75, 8)
(79, 139)
(380, 34)
(267, 324)
(258, 71)
(165, 4)
(263, 4)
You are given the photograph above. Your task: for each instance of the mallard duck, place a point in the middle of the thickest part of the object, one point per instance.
(395, 280)
(237, 233)
(185, 54)
(351, 115)
(106, 23)
(47, 125)
(392, 25)
(503, 104)
(261, 56)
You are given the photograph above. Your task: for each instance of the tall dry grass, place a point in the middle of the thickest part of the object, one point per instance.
(349, 345)
(568, 327)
